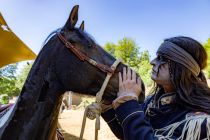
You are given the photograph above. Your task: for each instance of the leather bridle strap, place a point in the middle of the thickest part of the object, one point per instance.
(106, 81)
(83, 57)
(93, 111)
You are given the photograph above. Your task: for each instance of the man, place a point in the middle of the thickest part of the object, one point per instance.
(180, 105)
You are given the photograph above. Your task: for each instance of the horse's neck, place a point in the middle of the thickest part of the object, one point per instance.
(34, 115)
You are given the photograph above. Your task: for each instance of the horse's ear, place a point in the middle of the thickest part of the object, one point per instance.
(72, 20)
(82, 26)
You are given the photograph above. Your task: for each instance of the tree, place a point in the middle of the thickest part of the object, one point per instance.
(110, 47)
(129, 52)
(21, 77)
(144, 68)
(207, 48)
(4, 99)
(8, 80)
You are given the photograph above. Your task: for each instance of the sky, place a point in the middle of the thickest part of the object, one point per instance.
(147, 22)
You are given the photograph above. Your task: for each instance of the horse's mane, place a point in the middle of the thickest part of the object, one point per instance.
(50, 36)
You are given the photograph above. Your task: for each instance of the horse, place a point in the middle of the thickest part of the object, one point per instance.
(58, 69)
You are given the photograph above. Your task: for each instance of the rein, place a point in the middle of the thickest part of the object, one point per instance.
(93, 110)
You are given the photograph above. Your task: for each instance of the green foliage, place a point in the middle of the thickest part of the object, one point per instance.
(8, 80)
(144, 68)
(128, 51)
(4, 99)
(207, 48)
(21, 77)
(110, 47)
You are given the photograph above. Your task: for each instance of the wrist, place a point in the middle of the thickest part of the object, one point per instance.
(105, 108)
(122, 99)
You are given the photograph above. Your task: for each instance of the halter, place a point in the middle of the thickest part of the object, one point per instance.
(83, 57)
(93, 108)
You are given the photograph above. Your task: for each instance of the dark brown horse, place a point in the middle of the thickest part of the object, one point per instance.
(56, 70)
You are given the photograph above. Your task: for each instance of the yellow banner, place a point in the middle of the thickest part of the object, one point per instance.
(12, 49)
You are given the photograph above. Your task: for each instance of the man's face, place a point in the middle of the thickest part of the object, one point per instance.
(160, 71)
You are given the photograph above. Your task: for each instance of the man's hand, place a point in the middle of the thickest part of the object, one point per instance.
(128, 84)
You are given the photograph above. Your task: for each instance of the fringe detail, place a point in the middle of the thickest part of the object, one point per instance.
(190, 131)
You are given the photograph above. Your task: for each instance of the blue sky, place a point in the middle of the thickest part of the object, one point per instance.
(148, 22)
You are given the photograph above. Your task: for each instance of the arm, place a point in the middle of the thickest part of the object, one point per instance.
(133, 122)
(111, 119)
(129, 118)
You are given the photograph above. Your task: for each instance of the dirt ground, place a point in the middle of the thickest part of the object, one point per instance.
(70, 122)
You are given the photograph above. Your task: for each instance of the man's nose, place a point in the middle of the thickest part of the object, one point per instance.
(152, 62)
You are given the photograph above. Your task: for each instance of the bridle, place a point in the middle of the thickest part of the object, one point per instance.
(92, 108)
(105, 68)
(83, 57)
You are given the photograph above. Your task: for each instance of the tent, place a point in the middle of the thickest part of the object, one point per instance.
(12, 49)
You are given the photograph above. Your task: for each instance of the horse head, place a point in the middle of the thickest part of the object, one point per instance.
(79, 76)
(57, 69)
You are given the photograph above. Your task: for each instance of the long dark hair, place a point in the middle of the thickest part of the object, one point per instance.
(192, 91)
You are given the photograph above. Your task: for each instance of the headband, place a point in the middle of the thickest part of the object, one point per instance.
(175, 53)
